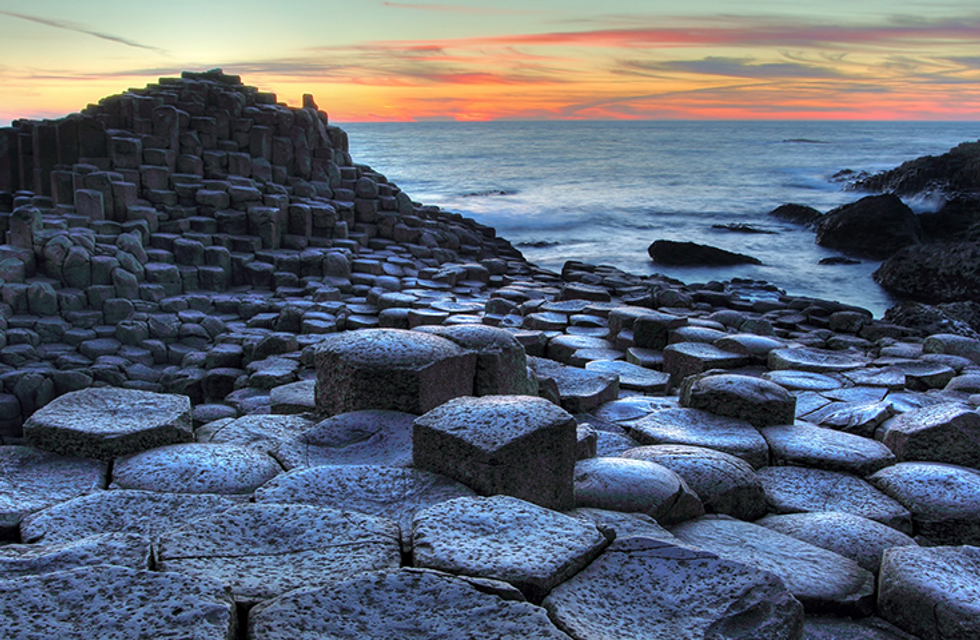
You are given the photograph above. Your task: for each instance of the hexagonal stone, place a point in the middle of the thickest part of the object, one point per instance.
(295, 397)
(944, 499)
(953, 344)
(802, 380)
(120, 549)
(831, 628)
(859, 418)
(616, 525)
(754, 346)
(504, 538)
(265, 433)
(114, 603)
(106, 423)
(579, 390)
(685, 359)
(651, 329)
(31, 480)
(631, 376)
(702, 429)
(420, 371)
(390, 604)
(142, 512)
(196, 468)
(860, 539)
(759, 402)
(932, 592)
(261, 551)
(799, 489)
(820, 579)
(941, 433)
(724, 483)
(635, 486)
(515, 445)
(687, 594)
(814, 360)
(809, 446)
(501, 363)
(359, 437)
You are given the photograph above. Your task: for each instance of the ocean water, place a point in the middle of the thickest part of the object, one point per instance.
(602, 191)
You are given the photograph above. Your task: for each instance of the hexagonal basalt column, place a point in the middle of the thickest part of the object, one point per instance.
(390, 369)
(520, 446)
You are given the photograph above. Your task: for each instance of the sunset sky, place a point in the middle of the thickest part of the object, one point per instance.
(536, 59)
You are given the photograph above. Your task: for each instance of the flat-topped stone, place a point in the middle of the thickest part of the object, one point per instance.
(516, 445)
(504, 538)
(803, 380)
(831, 628)
(631, 376)
(822, 580)
(801, 489)
(121, 549)
(685, 359)
(952, 344)
(635, 486)
(266, 433)
(616, 525)
(360, 437)
(814, 360)
(419, 371)
(859, 418)
(702, 429)
(579, 390)
(263, 550)
(31, 480)
(106, 423)
(196, 468)
(687, 594)
(390, 604)
(941, 433)
(115, 603)
(759, 402)
(811, 446)
(501, 362)
(295, 397)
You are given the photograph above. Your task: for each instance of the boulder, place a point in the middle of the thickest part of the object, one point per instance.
(635, 486)
(501, 363)
(953, 345)
(516, 445)
(504, 538)
(933, 273)
(106, 423)
(822, 580)
(357, 438)
(390, 604)
(579, 390)
(687, 594)
(875, 226)
(110, 602)
(683, 359)
(940, 433)
(806, 445)
(692, 254)
(798, 213)
(759, 402)
(263, 550)
(702, 429)
(196, 468)
(121, 549)
(419, 371)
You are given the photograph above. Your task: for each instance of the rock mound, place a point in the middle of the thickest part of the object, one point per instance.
(876, 226)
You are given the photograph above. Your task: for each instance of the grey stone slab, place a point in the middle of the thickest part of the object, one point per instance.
(106, 423)
(811, 446)
(941, 433)
(579, 390)
(830, 628)
(121, 549)
(685, 359)
(295, 397)
(822, 580)
(114, 603)
(265, 433)
(687, 594)
(501, 363)
(504, 538)
(263, 550)
(759, 402)
(859, 418)
(631, 376)
(616, 525)
(702, 429)
(196, 468)
(397, 604)
(635, 486)
(803, 380)
(814, 360)
(360, 437)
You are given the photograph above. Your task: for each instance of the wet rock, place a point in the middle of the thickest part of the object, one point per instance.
(702, 429)
(579, 390)
(504, 538)
(120, 549)
(876, 226)
(809, 446)
(759, 402)
(933, 273)
(691, 253)
(631, 376)
(635, 486)
(940, 433)
(381, 438)
(858, 418)
(803, 380)
(813, 360)
(515, 445)
(954, 345)
(798, 213)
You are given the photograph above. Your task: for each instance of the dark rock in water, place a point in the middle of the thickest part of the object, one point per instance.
(692, 254)
(538, 244)
(796, 213)
(957, 170)
(876, 226)
(940, 272)
(928, 320)
(488, 192)
(839, 260)
(740, 227)
(849, 175)
(957, 220)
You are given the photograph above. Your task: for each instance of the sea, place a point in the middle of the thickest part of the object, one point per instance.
(602, 191)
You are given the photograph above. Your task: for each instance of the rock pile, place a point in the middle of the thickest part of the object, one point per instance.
(443, 440)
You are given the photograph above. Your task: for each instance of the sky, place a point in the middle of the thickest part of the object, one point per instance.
(366, 60)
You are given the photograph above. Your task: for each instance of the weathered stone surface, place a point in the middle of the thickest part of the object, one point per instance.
(685, 359)
(515, 445)
(813, 360)
(616, 525)
(799, 489)
(631, 376)
(809, 446)
(803, 380)
(295, 397)
(265, 433)
(876, 226)
(687, 594)
(196, 468)
(933, 273)
(115, 603)
(501, 363)
(932, 592)
(635, 486)
(944, 499)
(106, 423)
(579, 390)
(702, 429)
(120, 549)
(390, 604)
(504, 538)
(357, 438)
(419, 371)
(857, 418)
(820, 579)
(950, 344)
(31, 480)
(724, 483)
(142, 512)
(940, 433)
(860, 539)
(260, 551)
(831, 628)
(759, 402)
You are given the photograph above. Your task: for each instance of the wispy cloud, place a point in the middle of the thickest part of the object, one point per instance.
(80, 28)
(456, 8)
(732, 67)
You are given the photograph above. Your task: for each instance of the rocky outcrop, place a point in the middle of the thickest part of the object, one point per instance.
(798, 213)
(694, 254)
(875, 226)
(957, 170)
(939, 272)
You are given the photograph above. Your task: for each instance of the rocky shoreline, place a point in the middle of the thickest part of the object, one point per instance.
(251, 389)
